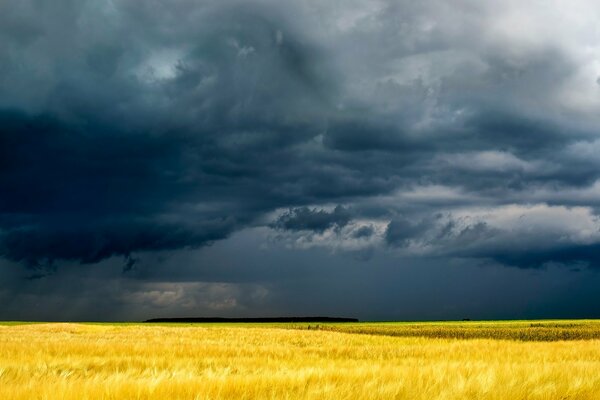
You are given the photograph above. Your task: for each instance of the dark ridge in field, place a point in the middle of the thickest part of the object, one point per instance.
(255, 320)
(546, 331)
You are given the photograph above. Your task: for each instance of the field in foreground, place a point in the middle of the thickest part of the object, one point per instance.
(103, 361)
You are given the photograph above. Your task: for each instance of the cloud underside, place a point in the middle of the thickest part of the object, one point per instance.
(417, 129)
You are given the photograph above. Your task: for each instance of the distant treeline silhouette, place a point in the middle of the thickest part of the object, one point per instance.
(254, 320)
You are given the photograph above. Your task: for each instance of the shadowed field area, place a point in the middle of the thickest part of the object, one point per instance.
(550, 330)
(118, 361)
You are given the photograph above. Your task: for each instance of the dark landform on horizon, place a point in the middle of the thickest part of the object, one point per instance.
(254, 320)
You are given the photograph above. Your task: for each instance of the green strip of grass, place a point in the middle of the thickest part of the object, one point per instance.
(545, 330)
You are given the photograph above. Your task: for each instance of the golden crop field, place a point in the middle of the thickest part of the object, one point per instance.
(285, 361)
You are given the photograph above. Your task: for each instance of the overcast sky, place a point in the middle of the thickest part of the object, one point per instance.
(371, 159)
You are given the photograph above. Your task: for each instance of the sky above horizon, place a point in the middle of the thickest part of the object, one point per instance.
(372, 159)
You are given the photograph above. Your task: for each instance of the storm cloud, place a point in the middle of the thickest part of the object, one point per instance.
(304, 218)
(411, 130)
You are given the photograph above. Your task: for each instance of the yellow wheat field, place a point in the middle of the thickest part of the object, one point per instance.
(76, 361)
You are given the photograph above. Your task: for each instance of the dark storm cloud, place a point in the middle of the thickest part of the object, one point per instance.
(400, 231)
(364, 231)
(136, 127)
(304, 218)
(574, 256)
(360, 134)
(529, 243)
(481, 241)
(78, 194)
(110, 156)
(282, 281)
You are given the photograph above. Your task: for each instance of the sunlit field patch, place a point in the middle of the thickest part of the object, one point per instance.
(356, 361)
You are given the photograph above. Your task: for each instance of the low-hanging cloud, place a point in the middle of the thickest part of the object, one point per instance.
(305, 218)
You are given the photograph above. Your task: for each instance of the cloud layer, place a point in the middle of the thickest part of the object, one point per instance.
(421, 129)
